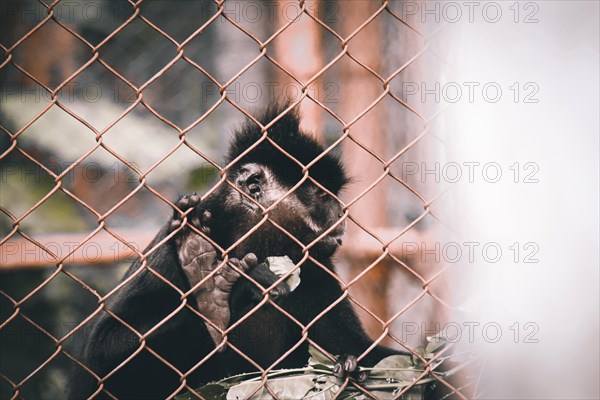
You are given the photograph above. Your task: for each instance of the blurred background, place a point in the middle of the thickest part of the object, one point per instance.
(470, 128)
(546, 205)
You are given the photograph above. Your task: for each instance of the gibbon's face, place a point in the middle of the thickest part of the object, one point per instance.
(306, 213)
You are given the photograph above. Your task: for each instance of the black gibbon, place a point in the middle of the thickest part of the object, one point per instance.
(258, 179)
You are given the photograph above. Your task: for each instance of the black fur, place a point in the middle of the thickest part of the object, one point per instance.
(267, 334)
(328, 171)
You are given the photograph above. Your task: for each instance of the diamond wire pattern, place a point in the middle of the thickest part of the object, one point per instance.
(220, 12)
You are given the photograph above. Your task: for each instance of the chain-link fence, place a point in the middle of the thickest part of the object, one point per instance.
(111, 108)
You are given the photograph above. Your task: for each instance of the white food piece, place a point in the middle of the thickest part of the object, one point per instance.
(282, 265)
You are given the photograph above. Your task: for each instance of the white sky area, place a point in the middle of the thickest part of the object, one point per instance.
(559, 214)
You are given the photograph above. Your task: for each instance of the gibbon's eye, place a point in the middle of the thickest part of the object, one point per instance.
(253, 184)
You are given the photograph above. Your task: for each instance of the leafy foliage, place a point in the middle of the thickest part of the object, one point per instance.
(316, 381)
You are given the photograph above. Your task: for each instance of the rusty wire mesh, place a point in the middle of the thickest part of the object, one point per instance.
(94, 56)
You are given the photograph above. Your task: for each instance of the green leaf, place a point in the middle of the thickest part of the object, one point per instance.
(416, 360)
(397, 361)
(325, 387)
(398, 369)
(212, 391)
(436, 343)
(318, 359)
(295, 387)
(218, 390)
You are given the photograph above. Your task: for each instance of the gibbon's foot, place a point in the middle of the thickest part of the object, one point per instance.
(212, 295)
(346, 366)
(211, 279)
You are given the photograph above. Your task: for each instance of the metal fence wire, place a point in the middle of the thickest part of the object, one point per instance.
(19, 67)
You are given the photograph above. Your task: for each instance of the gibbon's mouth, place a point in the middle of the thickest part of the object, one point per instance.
(249, 204)
(335, 240)
(335, 237)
